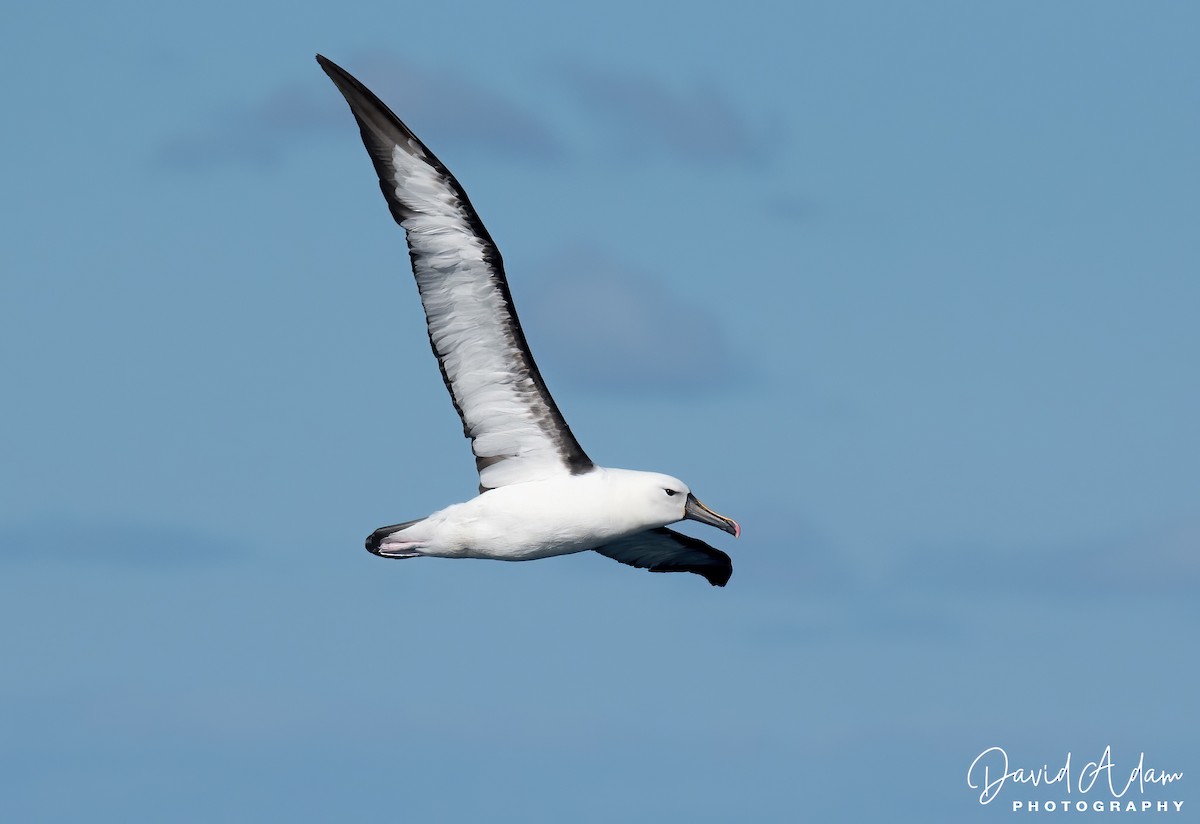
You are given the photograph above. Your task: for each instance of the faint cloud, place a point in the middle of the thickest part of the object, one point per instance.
(1156, 564)
(697, 125)
(789, 207)
(453, 111)
(833, 618)
(791, 555)
(813, 592)
(444, 107)
(1166, 561)
(602, 326)
(76, 541)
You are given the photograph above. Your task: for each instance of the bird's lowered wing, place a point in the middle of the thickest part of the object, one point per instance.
(665, 550)
(516, 431)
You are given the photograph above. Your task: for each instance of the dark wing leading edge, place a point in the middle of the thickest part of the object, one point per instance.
(665, 550)
(516, 431)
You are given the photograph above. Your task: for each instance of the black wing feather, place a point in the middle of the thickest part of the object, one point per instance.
(665, 550)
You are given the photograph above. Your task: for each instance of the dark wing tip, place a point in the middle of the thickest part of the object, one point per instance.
(336, 73)
(716, 567)
(361, 99)
(665, 550)
(333, 69)
(363, 102)
(719, 575)
(381, 131)
(717, 572)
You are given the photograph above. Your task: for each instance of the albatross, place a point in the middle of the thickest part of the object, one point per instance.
(540, 495)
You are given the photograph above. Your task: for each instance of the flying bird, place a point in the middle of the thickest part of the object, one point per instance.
(539, 493)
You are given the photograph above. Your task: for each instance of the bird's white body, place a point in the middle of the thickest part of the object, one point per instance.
(539, 519)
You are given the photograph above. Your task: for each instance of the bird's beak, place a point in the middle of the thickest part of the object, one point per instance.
(697, 511)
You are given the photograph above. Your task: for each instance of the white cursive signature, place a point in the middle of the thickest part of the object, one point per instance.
(995, 759)
(993, 762)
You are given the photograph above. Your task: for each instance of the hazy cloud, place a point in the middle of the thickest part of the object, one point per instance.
(1162, 563)
(921, 597)
(789, 207)
(446, 108)
(698, 125)
(813, 592)
(72, 540)
(606, 327)
(834, 617)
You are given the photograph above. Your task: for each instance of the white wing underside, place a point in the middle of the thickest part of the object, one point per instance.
(516, 431)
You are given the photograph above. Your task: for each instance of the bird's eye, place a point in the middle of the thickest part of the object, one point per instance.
(671, 492)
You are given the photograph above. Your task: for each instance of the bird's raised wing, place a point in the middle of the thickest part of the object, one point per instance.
(665, 550)
(516, 431)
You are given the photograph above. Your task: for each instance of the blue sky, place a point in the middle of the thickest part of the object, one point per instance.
(934, 266)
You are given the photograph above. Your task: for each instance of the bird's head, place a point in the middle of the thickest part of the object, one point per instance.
(665, 500)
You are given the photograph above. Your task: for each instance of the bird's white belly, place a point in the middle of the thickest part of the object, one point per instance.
(524, 522)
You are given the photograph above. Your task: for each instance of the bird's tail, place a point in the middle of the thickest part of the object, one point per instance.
(378, 543)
